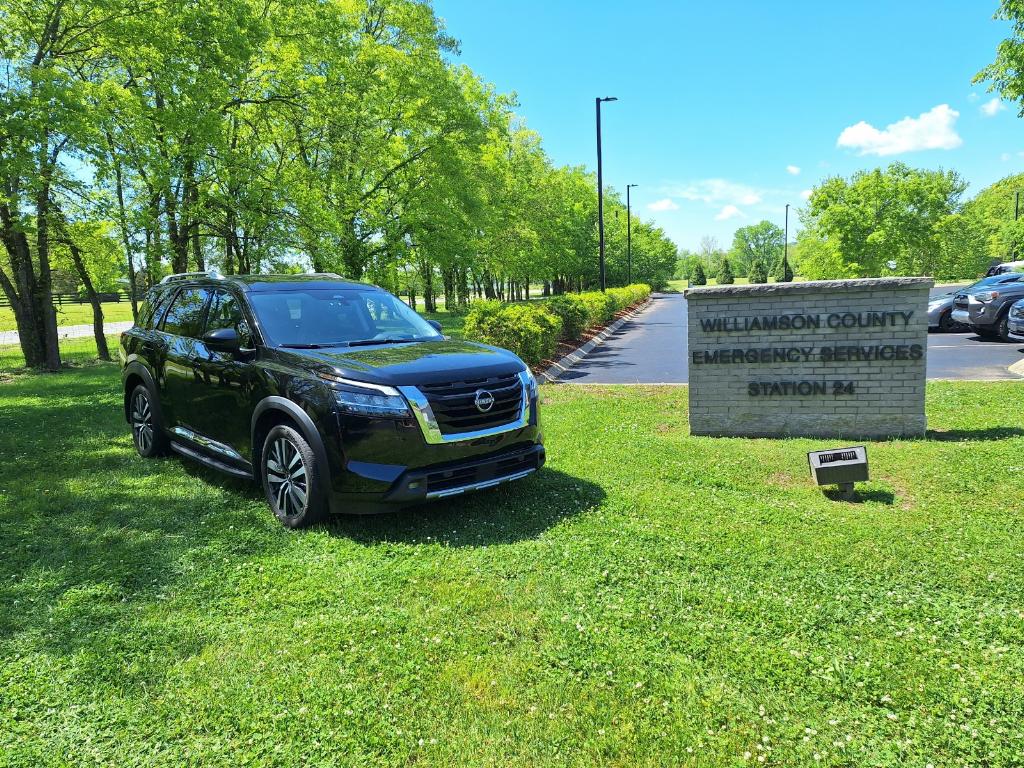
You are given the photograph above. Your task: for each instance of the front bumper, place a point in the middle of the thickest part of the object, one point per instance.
(441, 481)
(976, 314)
(1015, 326)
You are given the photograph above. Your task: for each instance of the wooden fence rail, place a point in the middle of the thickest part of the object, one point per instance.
(60, 299)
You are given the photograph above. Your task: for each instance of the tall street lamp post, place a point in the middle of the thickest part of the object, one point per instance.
(785, 245)
(629, 238)
(600, 185)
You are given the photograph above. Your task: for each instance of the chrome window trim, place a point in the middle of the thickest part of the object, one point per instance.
(432, 432)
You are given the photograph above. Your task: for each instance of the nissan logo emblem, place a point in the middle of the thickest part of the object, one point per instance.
(483, 401)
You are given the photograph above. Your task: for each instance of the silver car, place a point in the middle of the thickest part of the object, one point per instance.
(1015, 321)
(941, 315)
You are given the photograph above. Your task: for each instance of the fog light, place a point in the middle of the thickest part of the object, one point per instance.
(839, 466)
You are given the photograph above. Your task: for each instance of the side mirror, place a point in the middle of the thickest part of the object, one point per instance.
(223, 340)
(436, 326)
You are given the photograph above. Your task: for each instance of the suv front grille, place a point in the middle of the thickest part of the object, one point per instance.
(454, 404)
(960, 302)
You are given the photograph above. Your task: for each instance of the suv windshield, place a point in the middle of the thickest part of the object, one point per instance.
(337, 317)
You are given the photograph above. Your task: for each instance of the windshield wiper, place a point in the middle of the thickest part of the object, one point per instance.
(314, 346)
(385, 340)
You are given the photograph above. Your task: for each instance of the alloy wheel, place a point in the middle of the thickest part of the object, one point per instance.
(142, 422)
(287, 477)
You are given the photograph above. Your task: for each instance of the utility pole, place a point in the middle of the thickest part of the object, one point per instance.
(600, 187)
(1016, 205)
(629, 238)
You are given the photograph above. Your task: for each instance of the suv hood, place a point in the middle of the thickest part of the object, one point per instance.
(421, 362)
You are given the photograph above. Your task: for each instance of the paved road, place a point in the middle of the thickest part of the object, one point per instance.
(651, 349)
(71, 331)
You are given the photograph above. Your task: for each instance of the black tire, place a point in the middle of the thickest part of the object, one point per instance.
(1003, 327)
(292, 479)
(946, 322)
(147, 427)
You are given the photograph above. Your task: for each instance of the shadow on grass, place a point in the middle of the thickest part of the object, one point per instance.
(860, 496)
(520, 510)
(974, 435)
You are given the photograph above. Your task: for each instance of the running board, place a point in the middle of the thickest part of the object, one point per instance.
(212, 463)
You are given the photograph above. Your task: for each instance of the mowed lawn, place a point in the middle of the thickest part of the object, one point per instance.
(75, 314)
(649, 598)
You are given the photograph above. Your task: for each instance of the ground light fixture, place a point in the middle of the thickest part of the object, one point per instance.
(841, 467)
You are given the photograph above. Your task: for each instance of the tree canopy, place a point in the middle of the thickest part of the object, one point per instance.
(281, 135)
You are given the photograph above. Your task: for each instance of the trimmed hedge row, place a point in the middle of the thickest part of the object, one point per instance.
(532, 329)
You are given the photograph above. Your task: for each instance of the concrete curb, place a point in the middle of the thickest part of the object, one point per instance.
(1017, 368)
(549, 375)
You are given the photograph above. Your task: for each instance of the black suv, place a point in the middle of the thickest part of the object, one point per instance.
(335, 395)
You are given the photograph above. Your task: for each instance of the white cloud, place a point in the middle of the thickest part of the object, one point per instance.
(665, 204)
(793, 170)
(973, 97)
(992, 107)
(806, 194)
(933, 129)
(728, 212)
(716, 191)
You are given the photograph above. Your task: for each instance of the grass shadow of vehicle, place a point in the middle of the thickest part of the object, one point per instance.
(507, 514)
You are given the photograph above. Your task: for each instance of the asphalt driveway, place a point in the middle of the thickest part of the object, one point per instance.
(651, 349)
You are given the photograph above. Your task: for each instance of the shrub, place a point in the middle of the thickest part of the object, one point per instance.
(600, 307)
(758, 272)
(528, 329)
(725, 276)
(572, 311)
(698, 277)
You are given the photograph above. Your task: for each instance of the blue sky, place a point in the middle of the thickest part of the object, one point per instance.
(727, 111)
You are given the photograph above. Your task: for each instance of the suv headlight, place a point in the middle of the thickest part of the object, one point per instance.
(364, 399)
(986, 296)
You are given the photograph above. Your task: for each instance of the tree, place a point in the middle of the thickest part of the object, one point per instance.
(994, 209)
(884, 215)
(698, 277)
(758, 242)
(818, 259)
(1005, 75)
(43, 117)
(785, 272)
(758, 271)
(725, 276)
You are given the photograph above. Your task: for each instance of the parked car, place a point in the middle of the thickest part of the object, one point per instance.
(940, 308)
(1015, 323)
(335, 395)
(986, 308)
(1007, 266)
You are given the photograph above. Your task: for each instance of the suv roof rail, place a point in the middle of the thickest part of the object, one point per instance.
(212, 274)
(324, 274)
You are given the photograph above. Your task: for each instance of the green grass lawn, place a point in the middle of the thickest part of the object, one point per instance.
(75, 314)
(649, 598)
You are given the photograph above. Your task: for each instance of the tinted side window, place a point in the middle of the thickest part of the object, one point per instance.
(185, 317)
(225, 312)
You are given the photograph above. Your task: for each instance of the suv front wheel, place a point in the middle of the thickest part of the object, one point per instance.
(291, 478)
(147, 429)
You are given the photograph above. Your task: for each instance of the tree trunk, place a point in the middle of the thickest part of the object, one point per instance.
(125, 239)
(97, 309)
